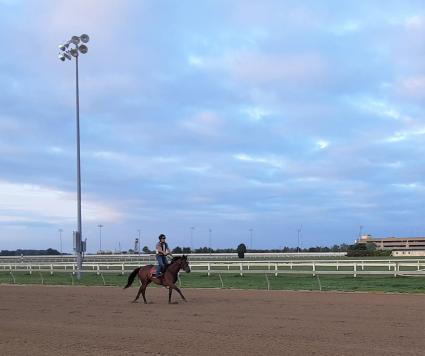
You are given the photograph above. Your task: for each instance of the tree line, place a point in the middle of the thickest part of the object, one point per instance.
(20, 252)
(186, 249)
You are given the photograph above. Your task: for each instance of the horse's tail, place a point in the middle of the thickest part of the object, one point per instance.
(132, 276)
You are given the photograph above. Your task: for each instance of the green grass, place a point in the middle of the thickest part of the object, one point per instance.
(235, 281)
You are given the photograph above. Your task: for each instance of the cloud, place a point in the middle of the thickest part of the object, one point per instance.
(226, 114)
(413, 87)
(31, 203)
(322, 144)
(255, 68)
(205, 123)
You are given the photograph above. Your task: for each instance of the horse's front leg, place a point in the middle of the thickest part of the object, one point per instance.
(173, 286)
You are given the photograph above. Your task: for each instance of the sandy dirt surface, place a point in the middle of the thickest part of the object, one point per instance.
(37, 320)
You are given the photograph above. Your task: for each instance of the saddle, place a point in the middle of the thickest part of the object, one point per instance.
(152, 272)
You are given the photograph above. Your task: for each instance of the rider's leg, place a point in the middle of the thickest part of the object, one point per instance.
(160, 266)
(164, 263)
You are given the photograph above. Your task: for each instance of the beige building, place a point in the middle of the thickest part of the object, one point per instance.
(394, 243)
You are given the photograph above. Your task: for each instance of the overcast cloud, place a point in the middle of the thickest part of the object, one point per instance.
(221, 115)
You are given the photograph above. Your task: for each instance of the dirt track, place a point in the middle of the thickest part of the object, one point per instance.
(102, 321)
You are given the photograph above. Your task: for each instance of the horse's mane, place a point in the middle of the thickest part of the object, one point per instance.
(176, 258)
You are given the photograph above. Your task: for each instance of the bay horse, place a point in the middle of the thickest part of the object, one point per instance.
(147, 274)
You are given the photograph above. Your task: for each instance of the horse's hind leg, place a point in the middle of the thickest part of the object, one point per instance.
(143, 289)
(138, 294)
(170, 290)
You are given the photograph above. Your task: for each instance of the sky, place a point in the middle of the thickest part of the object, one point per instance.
(213, 122)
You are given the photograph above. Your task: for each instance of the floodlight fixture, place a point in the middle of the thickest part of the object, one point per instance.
(83, 49)
(61, 57)
(74, 52)
(75, 40)
(84, 38)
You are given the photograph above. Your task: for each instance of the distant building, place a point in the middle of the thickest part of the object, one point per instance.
(395, 243)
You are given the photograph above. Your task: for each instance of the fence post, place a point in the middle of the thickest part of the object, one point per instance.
(241, 269)
(221, 280)
(275, 268)
(98, 272)
(51, 269)
(355, 270)
(122, 268)
(268, 282)
(314, 269)
(389, 265)
(337, 265)
(30, 269)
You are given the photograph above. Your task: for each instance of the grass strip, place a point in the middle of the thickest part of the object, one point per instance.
(400, 284)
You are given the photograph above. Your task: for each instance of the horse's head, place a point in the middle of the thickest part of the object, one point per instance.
(182, 262)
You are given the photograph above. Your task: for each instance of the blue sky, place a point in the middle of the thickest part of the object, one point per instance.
(221, 115)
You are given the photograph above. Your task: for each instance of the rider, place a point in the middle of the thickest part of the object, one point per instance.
(162, 251)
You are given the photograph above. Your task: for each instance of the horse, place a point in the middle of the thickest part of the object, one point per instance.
(147, 275)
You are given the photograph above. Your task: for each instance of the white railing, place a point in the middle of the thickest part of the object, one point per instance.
(396, 267)
(151, 257)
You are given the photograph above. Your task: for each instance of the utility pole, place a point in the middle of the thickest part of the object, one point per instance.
(100, 237)
(250, 238)
(191, 238)
(60, 239)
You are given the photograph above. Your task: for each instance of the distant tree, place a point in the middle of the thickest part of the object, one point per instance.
(241, 250)
(335, 248)
(370, 246)
(343, 247)
(177, 249)
(145, 249)
(187, 250)
(19, 252)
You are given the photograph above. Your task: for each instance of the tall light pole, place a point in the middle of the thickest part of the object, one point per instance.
(60, 239)
(298, 244)
(100, 237)
(360, 232)
(67, 53)
(191, 238)
(250, 238)
(209, 238)
(138, 246)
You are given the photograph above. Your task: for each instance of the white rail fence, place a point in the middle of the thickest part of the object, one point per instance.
(147, 258)
(309, 267)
